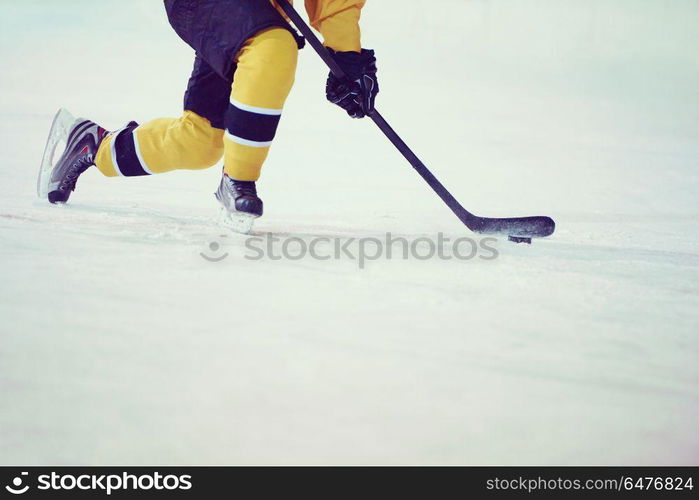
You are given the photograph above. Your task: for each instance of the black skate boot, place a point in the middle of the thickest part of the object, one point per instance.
(240, 202)
(84, 138)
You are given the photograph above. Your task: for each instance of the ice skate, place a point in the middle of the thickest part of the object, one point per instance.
(82, 139)
(241, 205)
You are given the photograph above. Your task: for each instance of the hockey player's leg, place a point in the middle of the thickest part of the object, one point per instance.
(162, 145)
(265, 73)
(262, 82)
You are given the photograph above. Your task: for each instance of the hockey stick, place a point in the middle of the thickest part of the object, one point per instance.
(517, 229)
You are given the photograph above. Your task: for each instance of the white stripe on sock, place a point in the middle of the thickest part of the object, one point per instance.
(255, 109)
(246, 142)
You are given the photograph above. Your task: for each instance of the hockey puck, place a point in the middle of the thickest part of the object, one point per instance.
(519, 239)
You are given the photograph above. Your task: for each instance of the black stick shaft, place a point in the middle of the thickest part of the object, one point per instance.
(421, 169)
(380, 122)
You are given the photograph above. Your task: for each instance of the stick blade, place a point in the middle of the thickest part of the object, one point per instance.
(517, 227)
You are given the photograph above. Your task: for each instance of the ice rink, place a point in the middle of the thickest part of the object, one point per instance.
(121, 344)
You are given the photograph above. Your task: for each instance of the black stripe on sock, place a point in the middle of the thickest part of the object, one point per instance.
(126, 156)
(251, 126)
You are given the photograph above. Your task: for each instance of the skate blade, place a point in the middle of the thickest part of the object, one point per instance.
(58, 136)
(238, 222)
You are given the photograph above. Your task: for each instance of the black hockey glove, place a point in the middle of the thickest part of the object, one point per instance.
(357, 93)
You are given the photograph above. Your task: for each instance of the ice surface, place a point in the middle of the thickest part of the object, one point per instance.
(122, 344)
